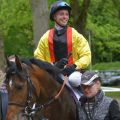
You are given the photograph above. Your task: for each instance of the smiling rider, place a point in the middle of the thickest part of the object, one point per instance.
(59, 42)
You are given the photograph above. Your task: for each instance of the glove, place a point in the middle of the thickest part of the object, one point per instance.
(61, 63)
(69, 69)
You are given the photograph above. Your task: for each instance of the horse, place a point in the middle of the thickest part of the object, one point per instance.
(32, 86)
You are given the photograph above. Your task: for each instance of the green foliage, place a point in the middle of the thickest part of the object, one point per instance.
(16, 24)
(106, 66)
(104, 24)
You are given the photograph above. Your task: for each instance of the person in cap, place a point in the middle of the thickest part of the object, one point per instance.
(94, 105)
(63, 45)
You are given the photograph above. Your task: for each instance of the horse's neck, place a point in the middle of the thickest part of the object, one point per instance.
(48, 86)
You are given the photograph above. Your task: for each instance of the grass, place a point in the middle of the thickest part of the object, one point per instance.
(114, 95)
(107, 66)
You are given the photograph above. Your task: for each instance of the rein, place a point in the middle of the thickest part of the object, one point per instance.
(54, 98)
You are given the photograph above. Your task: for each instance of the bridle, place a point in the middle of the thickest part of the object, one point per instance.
(30, 108)
(29, 105)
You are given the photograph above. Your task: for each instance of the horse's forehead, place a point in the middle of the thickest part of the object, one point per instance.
(13, 69)
(15, 76)
(10, 83)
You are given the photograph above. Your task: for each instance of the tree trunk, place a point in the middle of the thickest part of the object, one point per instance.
(40, 18)
(79, 14)
(2, 60)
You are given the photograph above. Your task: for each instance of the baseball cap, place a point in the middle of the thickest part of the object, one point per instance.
(88, 78)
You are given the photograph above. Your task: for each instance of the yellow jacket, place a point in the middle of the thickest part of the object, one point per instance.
(80, 50)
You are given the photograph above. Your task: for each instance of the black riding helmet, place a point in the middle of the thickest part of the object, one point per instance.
(59, 5)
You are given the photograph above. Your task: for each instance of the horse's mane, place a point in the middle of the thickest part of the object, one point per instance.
(52, 70)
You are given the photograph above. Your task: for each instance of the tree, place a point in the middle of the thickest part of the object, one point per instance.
(40, 18)
(79, 14)
(16, 25)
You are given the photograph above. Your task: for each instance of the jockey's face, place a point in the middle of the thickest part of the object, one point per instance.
(61, 17)
(91, 91)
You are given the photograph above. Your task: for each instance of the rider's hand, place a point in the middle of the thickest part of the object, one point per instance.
(61, 63)
(69, 69)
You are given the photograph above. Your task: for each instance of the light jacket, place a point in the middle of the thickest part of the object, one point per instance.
(81, 53)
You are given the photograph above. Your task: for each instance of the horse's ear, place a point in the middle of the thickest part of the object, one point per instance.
(7, 61)
(18, 63)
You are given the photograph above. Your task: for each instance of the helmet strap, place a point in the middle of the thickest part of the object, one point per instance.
(58, 25)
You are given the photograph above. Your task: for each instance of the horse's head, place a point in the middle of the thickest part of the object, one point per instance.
(27, 80)
(20, 88)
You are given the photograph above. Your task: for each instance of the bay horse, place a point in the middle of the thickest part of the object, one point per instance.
(31, 86)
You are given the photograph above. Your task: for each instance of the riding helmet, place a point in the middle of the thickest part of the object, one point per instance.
(59, 5)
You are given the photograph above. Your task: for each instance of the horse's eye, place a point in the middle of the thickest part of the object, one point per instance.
(19, 87)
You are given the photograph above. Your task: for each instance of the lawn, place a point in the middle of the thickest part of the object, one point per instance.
(115, 95)
(106, 66)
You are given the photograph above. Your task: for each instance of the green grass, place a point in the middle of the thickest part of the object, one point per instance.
(114, 95)
(107, 66)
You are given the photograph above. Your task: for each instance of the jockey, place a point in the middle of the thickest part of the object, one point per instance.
(58, 43)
